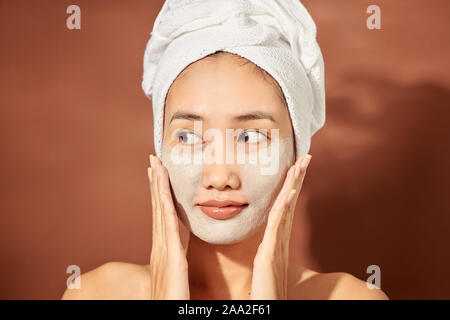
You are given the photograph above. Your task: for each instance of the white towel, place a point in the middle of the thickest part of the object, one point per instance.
(277, 35)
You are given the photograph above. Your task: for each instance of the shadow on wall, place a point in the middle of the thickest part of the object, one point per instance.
(379, 187)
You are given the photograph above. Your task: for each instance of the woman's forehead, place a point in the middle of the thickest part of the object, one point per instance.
(232, 108)
(224, 86)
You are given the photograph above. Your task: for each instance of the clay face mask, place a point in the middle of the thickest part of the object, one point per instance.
(260, 183)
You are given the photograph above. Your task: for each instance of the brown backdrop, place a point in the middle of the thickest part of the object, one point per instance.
(76, 131)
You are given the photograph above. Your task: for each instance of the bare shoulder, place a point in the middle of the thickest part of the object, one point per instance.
(333, 286)
(112, 280)
(350, 287)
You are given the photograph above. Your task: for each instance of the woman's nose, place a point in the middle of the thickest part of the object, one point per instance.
(221, 176)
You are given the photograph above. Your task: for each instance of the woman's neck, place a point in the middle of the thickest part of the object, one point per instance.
(222, 271)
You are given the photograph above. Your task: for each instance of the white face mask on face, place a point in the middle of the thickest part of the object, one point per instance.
(260, 189)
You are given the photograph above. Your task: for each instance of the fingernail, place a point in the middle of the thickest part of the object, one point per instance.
(151, 161)
(149, 171)
(291, 195)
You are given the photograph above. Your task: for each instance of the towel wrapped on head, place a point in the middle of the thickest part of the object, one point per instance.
(279, 36)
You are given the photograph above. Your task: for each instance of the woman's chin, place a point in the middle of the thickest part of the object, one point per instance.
(229, 238)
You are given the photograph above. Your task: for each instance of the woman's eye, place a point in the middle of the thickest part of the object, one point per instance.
(252, 136)
(186, 137)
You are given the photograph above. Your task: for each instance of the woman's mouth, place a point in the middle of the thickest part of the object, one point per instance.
(222, 210)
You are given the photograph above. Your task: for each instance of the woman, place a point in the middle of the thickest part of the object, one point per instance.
(221, 226)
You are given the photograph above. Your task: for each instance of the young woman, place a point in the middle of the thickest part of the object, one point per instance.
(237, 91)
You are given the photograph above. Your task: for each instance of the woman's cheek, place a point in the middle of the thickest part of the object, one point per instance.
(260, 183)
(185, 176)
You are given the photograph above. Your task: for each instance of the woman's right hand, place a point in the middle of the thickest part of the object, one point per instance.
(170, 238)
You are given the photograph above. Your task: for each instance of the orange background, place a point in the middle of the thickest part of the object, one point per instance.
(76, 132)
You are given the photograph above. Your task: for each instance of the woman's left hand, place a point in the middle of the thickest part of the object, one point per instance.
(270, 267)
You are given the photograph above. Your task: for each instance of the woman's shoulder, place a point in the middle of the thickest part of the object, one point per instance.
(112, 280)
(124, 281)
(332, 286)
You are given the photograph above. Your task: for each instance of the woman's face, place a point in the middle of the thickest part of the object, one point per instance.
(227, 146)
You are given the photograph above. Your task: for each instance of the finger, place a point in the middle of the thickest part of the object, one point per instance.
(292, 198)
(152, 192)
(281, 215)
(280, 203)
(290, 182)
(172, 222)
(300, 177)
(169, 216)
(158, 211)
(275, 215)
(155, 226)
(160, 198)
(152, 198)
(284, 189)
(169, 212)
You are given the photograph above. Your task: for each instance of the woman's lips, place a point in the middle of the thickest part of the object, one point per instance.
(222, 210)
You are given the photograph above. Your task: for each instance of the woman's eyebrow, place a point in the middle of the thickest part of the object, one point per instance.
(185, 115)
(256, 115)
